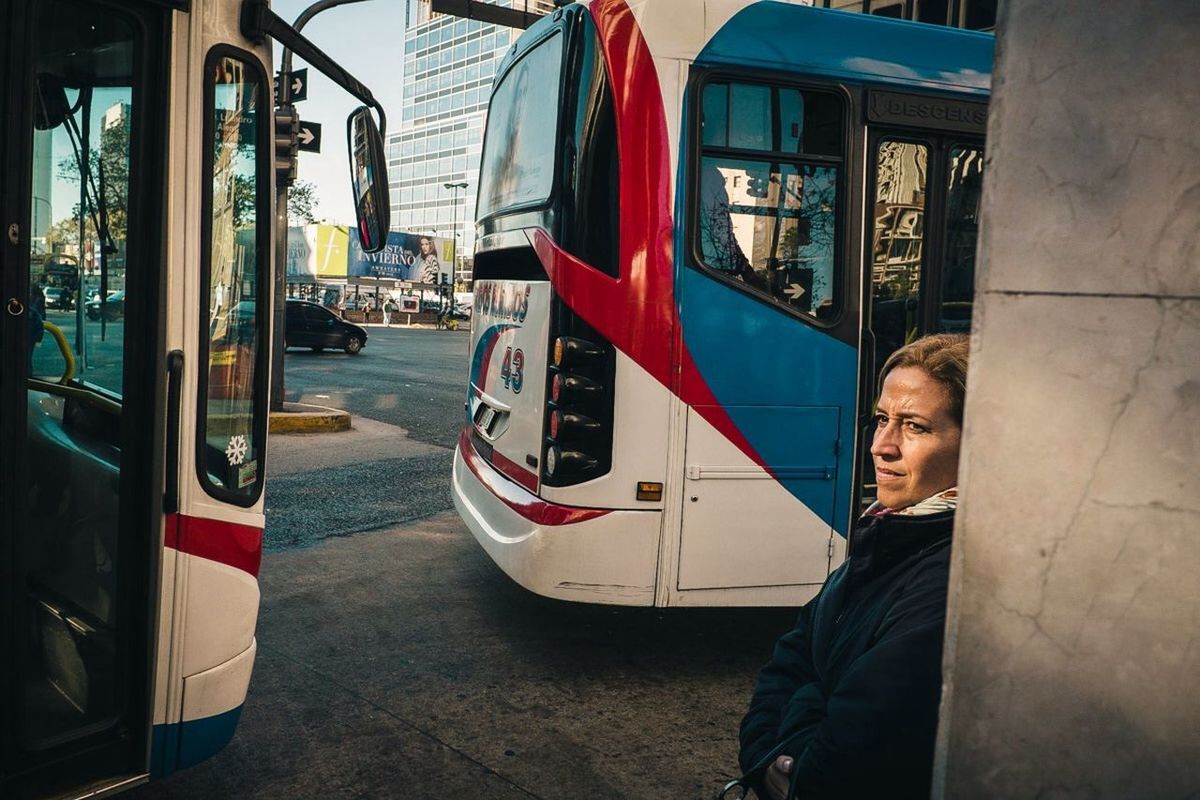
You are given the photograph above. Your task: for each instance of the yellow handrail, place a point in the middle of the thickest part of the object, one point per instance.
(65, 349)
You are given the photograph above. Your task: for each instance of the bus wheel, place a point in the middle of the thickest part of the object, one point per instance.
(353, 345)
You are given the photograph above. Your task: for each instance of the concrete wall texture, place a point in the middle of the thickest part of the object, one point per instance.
(1072, 660)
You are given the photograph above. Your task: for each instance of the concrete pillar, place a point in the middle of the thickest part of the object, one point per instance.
(1072, 661)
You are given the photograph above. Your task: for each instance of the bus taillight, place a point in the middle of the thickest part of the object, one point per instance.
(570, 351)
(570, 425)
(565, 463)
(568, 389)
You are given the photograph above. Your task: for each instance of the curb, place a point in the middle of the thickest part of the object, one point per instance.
(304, 418)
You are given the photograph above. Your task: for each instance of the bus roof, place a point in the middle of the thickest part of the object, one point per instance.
(852, 47)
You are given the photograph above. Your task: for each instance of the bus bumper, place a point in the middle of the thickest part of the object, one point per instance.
(584, 555)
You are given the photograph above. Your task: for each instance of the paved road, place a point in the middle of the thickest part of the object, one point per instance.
(399, 661)
(412, 379)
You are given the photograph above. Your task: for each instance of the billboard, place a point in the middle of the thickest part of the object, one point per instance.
(317, 251)
(406, 257)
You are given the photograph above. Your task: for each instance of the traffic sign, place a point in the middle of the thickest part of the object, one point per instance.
(297, 86)
(309, 137)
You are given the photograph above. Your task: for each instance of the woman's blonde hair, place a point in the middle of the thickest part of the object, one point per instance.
(942, 356)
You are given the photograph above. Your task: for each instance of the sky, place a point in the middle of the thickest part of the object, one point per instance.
(367, 38)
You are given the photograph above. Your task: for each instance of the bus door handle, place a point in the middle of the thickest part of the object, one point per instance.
(171, 464)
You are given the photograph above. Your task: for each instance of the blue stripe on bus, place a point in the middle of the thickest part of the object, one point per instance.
(859, 48)
(483, 349)
(789, 388)
(186, 744)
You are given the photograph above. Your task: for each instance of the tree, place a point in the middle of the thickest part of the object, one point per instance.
(302, 199)
(113, 156)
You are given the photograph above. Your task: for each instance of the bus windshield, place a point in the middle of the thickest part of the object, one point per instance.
(522, 129)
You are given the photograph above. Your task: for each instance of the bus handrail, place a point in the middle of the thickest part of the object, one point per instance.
(65, 348)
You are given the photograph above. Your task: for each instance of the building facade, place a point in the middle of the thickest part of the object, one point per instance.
(449, 64)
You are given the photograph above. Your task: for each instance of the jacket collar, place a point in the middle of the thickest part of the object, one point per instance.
(880, 542)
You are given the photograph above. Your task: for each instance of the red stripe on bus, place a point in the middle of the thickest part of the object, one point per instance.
(515, 471)
(635, 312)
(529, 506)
(238, 546)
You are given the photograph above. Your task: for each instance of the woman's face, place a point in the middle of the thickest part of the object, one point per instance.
(426, 247)
(916, 442)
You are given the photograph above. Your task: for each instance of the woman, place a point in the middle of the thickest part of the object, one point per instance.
(847, 706)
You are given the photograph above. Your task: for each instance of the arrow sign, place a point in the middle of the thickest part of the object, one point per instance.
(794, 291)
(297, 88)
(309, 137)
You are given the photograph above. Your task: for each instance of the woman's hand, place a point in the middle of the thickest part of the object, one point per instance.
(778, 777)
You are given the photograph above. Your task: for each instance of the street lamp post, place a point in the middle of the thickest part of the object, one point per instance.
(453, 187)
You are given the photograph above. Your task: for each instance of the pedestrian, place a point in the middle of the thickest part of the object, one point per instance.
(389, 308)
(848, 704)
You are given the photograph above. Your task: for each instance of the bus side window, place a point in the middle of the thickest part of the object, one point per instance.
(231, 429)
(595, 222)
(767, 192)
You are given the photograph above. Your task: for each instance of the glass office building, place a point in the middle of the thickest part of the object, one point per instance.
(449, 64)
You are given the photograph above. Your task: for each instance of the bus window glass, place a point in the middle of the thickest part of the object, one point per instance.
(593, 227)
(770, 223)
(232, 451)
(74, 559)
(714, 122)
(963, 193)
(750, 125)
(522, 131)
(771, 227)
(81, 169)
(897, 244)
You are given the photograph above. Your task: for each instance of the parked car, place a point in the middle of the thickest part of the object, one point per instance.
(310, 325)
(114, 307)
(58, 297)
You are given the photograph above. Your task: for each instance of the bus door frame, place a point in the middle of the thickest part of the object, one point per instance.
(118, 756)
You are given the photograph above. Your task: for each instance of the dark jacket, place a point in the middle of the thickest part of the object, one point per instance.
(854, 688)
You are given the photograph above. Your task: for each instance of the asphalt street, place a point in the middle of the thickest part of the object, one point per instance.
(395, 660)
(408, 379)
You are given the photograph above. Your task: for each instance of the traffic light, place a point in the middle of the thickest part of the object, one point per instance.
(287, 132)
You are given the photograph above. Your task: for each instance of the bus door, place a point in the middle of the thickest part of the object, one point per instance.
(82, 128)
(923, 194)
(770, 331)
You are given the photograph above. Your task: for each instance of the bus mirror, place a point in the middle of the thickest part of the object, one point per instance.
(50, 107)
(368, 175)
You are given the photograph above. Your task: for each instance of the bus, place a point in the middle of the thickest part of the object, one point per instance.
(138, 140)
(701, 227)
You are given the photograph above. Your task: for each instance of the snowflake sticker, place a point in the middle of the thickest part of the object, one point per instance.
(237, 449)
